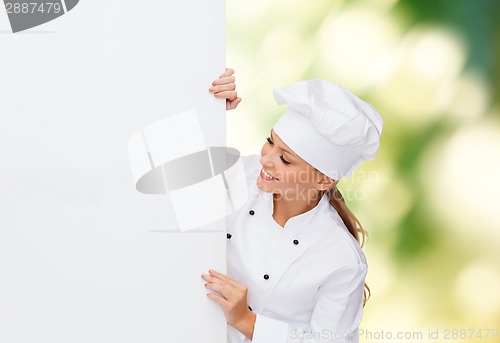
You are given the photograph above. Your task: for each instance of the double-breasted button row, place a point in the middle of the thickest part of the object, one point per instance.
(229, 237)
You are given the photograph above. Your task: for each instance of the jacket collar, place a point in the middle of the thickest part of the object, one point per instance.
(300, 223)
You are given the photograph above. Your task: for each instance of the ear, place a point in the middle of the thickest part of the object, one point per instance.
(326, 182)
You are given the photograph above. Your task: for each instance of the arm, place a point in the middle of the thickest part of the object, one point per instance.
(224, 87)
(336, 316)
(231, 295)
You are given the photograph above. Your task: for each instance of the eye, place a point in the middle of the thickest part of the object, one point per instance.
(283, 160)
(269, 140)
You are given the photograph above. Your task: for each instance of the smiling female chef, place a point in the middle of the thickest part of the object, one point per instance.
(296, 271)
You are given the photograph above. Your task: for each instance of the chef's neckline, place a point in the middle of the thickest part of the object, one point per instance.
(301, 222)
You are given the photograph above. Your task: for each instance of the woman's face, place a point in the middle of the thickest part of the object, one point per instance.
(285, 173)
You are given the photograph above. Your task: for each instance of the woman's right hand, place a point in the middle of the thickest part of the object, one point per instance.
(224, 87)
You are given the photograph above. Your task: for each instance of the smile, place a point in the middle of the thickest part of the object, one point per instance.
(266, 176)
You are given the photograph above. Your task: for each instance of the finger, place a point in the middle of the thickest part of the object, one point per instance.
(225, 278)
(220, 288)
(231, 95)
(217, 298)
(214, 279)
(225, 87)
(227, 72)
(224, 80)
(231, 105)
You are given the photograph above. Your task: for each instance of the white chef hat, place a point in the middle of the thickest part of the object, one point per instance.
(328, 126)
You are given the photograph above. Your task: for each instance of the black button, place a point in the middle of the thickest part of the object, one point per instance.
(229, 236)
(252, 212)
(295, 242)
(249, 308)
(266, 276)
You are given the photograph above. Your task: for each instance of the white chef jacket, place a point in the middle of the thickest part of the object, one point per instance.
(305, 281)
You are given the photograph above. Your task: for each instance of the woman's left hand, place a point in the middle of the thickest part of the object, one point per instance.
(232, 297)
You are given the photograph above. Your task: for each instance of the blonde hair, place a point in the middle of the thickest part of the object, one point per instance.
(352, 224)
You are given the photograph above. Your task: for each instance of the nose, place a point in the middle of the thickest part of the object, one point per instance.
(265, 160)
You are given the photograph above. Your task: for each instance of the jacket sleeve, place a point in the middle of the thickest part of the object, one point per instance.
(336, 316)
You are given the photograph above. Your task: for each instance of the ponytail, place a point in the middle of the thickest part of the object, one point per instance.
(352, 224)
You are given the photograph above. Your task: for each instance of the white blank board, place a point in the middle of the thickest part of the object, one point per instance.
(84, 257)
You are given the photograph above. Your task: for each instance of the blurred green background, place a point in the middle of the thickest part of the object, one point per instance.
(430, 199)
